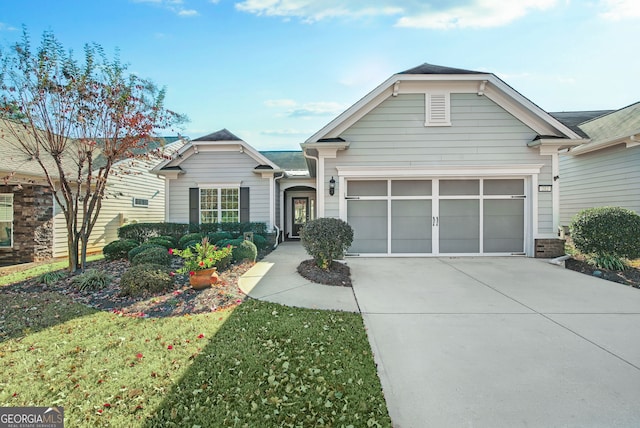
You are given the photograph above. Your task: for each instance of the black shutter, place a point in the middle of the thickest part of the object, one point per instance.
(194, 205)
(244, 205)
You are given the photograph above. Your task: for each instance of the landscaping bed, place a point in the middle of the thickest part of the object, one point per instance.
(629, 276)
(338, 273)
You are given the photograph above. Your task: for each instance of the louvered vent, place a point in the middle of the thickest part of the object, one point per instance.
(437, 110)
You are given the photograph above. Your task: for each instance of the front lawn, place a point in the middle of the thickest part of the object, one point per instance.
(259, 364)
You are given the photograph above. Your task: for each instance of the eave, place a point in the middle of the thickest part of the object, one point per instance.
(629, 140)
(549, 146)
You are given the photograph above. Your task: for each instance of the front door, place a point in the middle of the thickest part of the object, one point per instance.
(300, 214)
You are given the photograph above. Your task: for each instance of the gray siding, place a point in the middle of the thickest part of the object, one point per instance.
(482, 133)
(609, 177)
(129, 181)
(218, 167)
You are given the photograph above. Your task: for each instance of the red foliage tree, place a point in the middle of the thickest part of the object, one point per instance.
(77, 120)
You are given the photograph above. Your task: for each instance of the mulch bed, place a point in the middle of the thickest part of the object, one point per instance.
(181, 300)
(629, 276)
(338, 274)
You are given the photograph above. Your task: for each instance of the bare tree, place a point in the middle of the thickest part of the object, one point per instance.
(76, 120)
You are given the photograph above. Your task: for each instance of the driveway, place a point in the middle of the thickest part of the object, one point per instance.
(500, 342)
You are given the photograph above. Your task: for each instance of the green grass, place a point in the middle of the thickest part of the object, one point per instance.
(39, 270)
(261, 364)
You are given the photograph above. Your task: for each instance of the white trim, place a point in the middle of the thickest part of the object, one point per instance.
(219, 185)
(555, 191)
(437, 171)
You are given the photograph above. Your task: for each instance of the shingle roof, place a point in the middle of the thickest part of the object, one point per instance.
(289, 160)
(619, 123)
(572, 119)
(427, 68)
(221, 135)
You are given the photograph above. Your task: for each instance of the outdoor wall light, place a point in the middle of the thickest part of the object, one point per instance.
(332, 186)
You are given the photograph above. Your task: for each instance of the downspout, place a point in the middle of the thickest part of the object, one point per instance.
(275, 179)
(319, 196)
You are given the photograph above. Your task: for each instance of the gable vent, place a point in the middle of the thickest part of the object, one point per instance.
(437, 110)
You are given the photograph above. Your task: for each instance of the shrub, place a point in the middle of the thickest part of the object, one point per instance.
(216, 237)
(91, 279)
(143, 231)
(51, 277)
(607, 234)
(203, 255)
(163, 241)
(145, 278)
(326, 239)
(245, 251)
(232, 242)
(158, 256)
(260, 241)
(118, 249)
(183, 242)
(140, 248)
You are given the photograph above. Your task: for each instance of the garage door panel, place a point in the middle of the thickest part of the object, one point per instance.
(411, 227)
(503, 226)
(459, 226)
(369, 222)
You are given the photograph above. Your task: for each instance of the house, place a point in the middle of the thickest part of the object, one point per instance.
(606, 170)
(32, 224)
(434, 161)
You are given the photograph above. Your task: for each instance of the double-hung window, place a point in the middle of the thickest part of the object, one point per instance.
(219, 205)
(6, 219)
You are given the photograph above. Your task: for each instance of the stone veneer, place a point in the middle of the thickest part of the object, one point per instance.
(32, 225)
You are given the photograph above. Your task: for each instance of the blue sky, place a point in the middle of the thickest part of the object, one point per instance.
(276, 71)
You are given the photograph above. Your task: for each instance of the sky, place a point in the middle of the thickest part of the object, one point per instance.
(274, 72)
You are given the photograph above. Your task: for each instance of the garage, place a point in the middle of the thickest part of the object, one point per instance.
(438, 216)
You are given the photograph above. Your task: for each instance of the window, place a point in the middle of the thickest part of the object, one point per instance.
(6, 219)
(138, 202)
(220, 205)
(437, 109)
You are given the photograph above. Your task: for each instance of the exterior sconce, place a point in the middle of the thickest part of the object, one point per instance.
(332, 186)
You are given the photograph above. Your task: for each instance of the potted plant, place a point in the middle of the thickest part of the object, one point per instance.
(202, 261)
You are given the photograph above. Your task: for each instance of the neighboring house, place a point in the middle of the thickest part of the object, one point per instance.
(32, 225)
(606, 170)
(434, 161)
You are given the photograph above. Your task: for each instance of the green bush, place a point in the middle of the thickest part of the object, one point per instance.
(158, 256)
(184, 241)
(326, 239)
(142, 232)
(227, 242)
(245, 251)
(140, 248)
(260, 241)
(91, 279)
(145, 278)
(216, 237)
(118, 249)
(166, 242)
(607, 234)
(51, 277)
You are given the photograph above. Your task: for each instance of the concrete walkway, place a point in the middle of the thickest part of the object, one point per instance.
(275, 279)
(483, 342)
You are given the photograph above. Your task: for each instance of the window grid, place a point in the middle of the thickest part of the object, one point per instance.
(6, 220)
(219, 205)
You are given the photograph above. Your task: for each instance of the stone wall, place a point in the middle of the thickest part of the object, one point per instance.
(32, 225)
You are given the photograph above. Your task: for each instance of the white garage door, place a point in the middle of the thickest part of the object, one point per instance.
(439, 216)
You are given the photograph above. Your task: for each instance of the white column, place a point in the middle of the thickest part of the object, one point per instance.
(555, 191)
(320, 185)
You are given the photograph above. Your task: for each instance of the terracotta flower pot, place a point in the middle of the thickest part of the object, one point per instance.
(204, 278)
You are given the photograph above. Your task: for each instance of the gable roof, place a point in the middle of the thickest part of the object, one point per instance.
(482, 83)
(572, 119)
(616, 127)
(221, 135)
(222, 140)
(289, 160)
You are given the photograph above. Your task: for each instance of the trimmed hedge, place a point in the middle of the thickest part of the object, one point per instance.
(158, 256)
(140, 248)
(145, 278)
(142, 232)
(326, 239)
(245, 251)
(186, 240)
(118, 249)
(607, 231)
(216, 237)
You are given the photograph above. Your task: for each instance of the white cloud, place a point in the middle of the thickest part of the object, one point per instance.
(475, 14)
(313, 109)
(6, 27)
(312, 10)
(174, 6)
(617, 10)
(432, 14)
(289, 133)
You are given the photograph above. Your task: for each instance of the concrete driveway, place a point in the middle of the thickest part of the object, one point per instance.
(500, 342)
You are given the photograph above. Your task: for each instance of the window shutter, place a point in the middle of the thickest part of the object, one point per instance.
(244, 205)
(194, 205)
(437, 110)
